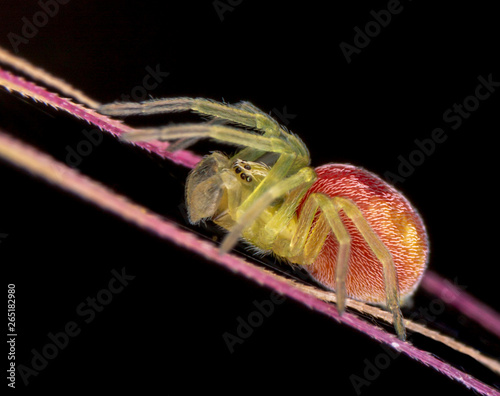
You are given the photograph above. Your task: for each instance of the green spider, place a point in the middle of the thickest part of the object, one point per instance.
(354, 233)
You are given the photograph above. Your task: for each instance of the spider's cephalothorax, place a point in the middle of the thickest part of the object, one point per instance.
(218, 185)
(356, 234)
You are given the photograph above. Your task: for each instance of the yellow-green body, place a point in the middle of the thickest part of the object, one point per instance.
(255, 194)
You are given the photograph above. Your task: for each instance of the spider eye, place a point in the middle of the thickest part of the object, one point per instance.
(239, 167)
(245, 177)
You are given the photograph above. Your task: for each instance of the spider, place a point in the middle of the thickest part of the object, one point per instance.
(353, 232)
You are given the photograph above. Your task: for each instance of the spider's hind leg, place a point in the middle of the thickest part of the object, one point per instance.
(311, 232)
(383, 255)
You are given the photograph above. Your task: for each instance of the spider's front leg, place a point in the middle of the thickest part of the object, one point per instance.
(276, 183)
(243, 113)
(292, 155)
(312, 231)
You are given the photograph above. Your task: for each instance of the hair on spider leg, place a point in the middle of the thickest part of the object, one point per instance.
(182, 144)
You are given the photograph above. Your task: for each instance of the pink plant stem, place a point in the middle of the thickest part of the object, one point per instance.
(434, 284)
(115, 127)
(30, 159)
(462, 302)
(42, 165)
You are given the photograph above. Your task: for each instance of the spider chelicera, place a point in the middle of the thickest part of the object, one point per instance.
(353, 232)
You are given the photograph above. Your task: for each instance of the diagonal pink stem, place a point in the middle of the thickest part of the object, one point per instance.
(116, 128)
(70, 180)
(433, 283)
(462, 302)
(42, 165)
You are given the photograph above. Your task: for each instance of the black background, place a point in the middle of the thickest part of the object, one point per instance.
(164, 330)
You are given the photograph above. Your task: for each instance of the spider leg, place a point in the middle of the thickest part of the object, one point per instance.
(251, 154)
(181, 144)
(311, 232)
(330, 210)
(310, 236)
(255, 204)
(382, 254)
(219, 132)
(243, 113)
(290, 158)
(280, 220)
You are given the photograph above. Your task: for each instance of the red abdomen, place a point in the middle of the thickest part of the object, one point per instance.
(390, 215)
